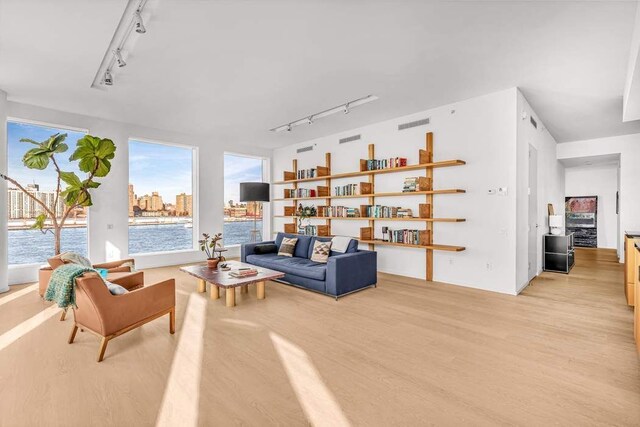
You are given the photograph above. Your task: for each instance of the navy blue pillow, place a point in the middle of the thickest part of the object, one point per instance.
(267, 248)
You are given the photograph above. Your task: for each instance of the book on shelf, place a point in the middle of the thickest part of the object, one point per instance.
(307, 173)
(290, 193)
(338, 211)
(409, 237)
(392, 162)
(378, 211)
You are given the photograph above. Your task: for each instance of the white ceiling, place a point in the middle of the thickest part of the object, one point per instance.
(601, 160)
(234, 69)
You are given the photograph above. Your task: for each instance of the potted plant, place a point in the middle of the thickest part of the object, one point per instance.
(93, 154)
(304, 213)
(209, 245)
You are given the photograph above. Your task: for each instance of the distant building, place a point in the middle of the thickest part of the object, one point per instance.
(132, 199)
(21, 206)
(184, 205)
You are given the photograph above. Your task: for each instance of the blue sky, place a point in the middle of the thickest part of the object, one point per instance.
(152, 167)
(162, 168)
(239, 169)
(47, 177)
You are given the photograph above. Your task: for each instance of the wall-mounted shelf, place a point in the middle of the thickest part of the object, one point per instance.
(430, 165)
(425, 189)
(365, 218)
(393, 194)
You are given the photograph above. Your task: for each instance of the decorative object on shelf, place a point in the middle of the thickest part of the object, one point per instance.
(254, 192)
(93, 154)
(555, 224)
(304, 213)
(209, 245)
(224, 267)
(385, 231)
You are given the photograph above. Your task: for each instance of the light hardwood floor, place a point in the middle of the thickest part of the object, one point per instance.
(405, 353)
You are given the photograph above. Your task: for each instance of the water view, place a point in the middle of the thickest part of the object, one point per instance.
(32, 247)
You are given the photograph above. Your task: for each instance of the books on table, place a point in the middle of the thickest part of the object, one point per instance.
(241, 273)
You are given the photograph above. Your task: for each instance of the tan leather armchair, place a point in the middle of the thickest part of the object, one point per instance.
(109, 316)
(119, 266)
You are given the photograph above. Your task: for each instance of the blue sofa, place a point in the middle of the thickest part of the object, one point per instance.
(341, 275)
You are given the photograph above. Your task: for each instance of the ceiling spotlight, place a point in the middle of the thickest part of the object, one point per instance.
(108, 78)
(346, 108)
(289, 127)
(139, 25)
(119, 59)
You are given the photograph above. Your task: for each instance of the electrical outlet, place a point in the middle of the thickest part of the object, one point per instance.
(489, 266)
(451, 261)
(109, 226)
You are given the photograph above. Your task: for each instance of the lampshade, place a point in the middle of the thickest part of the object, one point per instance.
(555, 220)
(254, 192)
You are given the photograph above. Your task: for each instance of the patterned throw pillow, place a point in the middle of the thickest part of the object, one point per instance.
(321, 251)
(288, 246)
(74, 258)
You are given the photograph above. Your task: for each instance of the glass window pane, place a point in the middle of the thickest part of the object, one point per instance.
(27, 246)
(160, 197)
(239, 217)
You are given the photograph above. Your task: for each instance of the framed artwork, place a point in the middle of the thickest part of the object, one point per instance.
(582, 220)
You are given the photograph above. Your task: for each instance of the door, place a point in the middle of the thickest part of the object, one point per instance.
(533, 212)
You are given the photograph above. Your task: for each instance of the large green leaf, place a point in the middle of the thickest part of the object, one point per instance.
(94, 154)
(71, 179)
(38, 158)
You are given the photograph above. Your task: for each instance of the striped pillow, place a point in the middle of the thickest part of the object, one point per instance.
(288, 246)
(321, 251)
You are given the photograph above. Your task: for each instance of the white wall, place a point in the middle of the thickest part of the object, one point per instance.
(111, 198)
(4, 286)
(481, 131)
(601, 181)
(550, 185)
(628, 146)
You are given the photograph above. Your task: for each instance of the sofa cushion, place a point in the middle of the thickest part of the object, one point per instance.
(302, 267)
(320, 251)
(288, 246)
(353, 246)
(302, 247)
(267, 248)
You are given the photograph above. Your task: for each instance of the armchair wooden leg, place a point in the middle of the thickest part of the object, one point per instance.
(103, 348)
(63, 315)
(73, 333)
(172, 321)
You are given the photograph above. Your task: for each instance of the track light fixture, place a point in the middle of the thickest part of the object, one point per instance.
(108, 78)
(308, 120)
(119, 59)
(139, 25)
(113, 59)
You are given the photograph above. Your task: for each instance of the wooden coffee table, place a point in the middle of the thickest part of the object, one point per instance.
(222, 279)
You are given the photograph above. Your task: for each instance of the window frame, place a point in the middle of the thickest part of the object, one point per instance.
(195, 193)
(265, 178)
(13, 119)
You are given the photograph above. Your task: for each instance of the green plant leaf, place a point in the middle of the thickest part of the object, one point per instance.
(71, 179)
(39, 224)
(94, 154)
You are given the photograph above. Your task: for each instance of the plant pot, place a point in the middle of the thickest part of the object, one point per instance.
(213, 262)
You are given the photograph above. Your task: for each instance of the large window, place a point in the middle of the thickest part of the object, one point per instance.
(239, 216)
(161, 201)
(27, 245)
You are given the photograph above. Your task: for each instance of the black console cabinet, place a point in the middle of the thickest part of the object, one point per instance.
(558, 252)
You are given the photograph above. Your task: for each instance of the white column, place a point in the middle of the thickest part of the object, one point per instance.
(4, 283)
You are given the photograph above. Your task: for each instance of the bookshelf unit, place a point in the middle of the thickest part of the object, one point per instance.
(323, 193)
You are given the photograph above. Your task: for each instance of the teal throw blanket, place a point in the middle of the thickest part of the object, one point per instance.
(62, 286)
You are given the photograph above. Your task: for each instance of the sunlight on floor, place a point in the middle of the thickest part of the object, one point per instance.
(316, 399)
(18, 294)
(27, 326)
(182, 393)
